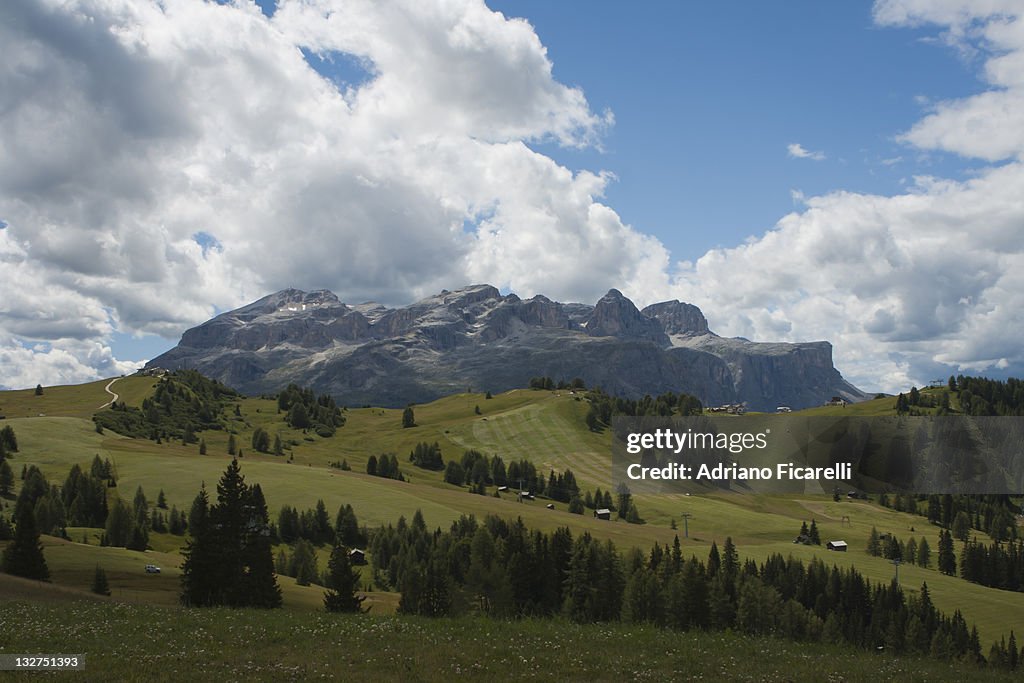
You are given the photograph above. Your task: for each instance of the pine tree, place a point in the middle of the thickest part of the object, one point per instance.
(924, 553)
(229, 559)
(39, 390)
(278, 446)
(814, 536)
(232, 444)
(199, 587)
(24, 555)
(6, 478)
(874, 543)
(947, 558)
(342, 583)
(99, 582)
(161, 500)
(259, 581)
(8, 440)
(408, 418)
(118, 528)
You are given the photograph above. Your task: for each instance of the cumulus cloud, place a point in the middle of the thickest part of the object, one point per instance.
(161, 161)
(909, 287)
(797, 151)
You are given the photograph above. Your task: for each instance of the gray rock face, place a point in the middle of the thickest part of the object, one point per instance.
(475, 338)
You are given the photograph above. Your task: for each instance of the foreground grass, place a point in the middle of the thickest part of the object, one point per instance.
(132, 642)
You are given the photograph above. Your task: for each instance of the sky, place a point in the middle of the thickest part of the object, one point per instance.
(801, 171)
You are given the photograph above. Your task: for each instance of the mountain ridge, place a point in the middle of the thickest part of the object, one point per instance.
(475, 337)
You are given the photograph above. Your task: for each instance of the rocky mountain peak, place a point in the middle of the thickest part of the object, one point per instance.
(616, 316)
(475, 337)
(678, 318)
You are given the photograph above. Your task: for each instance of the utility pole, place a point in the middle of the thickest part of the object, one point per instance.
(896, 563)
(686, 524)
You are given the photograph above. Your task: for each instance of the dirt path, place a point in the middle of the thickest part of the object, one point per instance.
(107, 389)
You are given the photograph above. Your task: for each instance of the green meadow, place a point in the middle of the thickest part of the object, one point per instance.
(134, 642)
(545, 427)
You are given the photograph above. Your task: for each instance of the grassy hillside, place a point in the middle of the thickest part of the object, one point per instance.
(542, 426)
(136, 642)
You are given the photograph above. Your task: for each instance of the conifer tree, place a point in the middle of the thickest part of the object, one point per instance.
(99, 582)
(342, 583)
(947, 558)
(229, 559)
(814, 535)
(232, 444)
(408, 417)
(24, 555)
(8, 440)
(118, 529)
(6, 478)
(874, 543)
(924, 553)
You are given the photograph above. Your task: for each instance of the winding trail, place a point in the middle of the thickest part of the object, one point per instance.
(107, 389)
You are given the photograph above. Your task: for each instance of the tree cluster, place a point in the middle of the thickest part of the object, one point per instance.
(994, 514)
(503, 569)
(996, 565)
(427, 456)
(228, 560)
(604, 407)
(183, 404)
(891, 548)
(303, 410)
(548, 384)
(384, 466)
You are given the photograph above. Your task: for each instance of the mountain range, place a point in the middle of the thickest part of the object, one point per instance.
(477, 339)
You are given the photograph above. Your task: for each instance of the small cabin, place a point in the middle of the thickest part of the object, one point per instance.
(783, 409)
(357, 556)
(502, 489)
(838, 546)
(550, 506)
(602, 513)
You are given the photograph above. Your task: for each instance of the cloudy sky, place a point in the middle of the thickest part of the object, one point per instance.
(800, 171)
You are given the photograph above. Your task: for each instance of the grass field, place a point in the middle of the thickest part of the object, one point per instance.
(544, 427)
(128, 642)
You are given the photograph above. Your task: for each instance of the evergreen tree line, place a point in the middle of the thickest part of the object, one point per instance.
(303, 410)
(996, 565)
(183, 404)
(8, 446)
(548, 384)
(386, 465)
(604, 407)
(994, 514)
(314, 526)
(891, 548)
(982, 396)
(503, 569)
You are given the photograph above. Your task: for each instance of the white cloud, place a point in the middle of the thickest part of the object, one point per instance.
(128, 127)
(797, 151)
(162, 160)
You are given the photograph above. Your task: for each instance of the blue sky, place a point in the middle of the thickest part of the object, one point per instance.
(707, 97)
(799, 170)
